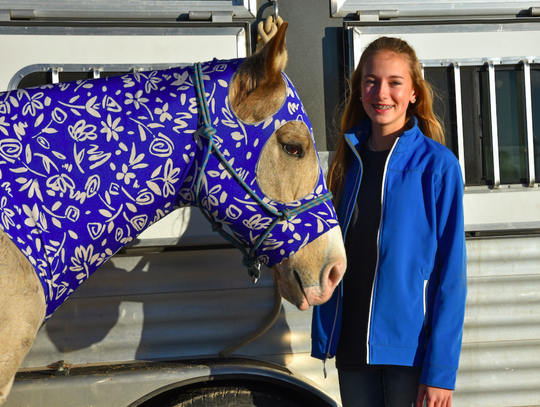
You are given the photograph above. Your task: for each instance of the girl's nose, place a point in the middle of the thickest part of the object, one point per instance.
(382, 91)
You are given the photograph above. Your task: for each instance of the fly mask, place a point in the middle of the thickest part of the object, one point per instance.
(273, 230)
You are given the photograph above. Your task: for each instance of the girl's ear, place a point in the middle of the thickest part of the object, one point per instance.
(413, 97)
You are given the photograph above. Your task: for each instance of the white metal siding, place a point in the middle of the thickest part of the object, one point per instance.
(500, 360)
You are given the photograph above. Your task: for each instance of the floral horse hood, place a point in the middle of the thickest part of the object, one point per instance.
(86, 166)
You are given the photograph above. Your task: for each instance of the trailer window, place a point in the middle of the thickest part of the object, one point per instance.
(476, 125)
(535, 90)
(510, 122)
(46, 77)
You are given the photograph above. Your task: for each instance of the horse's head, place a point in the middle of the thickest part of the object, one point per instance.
(265, 136)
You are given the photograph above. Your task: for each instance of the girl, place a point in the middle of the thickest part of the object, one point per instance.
(395, 324)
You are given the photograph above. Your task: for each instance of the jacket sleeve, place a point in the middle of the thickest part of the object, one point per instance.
(443, 347)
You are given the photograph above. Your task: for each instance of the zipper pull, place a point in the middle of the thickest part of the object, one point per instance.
(324, 365)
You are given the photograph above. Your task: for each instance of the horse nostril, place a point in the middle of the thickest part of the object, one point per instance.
(298, 280)
(335, 275)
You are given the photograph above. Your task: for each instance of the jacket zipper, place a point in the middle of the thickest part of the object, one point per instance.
(331, 336)
(426, 315)
(328, 356)
(378, 244)
(426, 282)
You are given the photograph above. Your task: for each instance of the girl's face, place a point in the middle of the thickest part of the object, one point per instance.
(386, 91)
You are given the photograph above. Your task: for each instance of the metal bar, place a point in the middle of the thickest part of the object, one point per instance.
(23, 14)
(494, 127)
(534, 11)
(478, 61)
(354, 53)
(56, 75)
(529, 119)
(459, 118)
(276, 10)
(200, 15)
(243, 43)
(96, 73)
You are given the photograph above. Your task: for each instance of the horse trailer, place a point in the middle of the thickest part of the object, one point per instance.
(173, 319)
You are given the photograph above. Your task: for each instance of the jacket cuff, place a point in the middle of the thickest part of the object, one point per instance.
(438, 376)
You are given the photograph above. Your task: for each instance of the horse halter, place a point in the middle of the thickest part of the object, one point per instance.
(251, 259)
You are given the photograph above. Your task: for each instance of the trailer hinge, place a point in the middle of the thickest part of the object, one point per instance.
(8, 15)
(376, 15)
(533, 11)
(61, 368)
(214, 16)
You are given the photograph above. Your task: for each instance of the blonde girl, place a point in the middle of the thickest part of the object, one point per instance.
(395, 323)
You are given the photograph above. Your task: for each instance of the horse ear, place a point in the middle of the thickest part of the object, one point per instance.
(276, 53)
(257, 90)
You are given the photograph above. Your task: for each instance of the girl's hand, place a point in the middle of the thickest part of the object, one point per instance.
(434, 396)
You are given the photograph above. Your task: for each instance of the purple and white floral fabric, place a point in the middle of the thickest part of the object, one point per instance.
(86, 166)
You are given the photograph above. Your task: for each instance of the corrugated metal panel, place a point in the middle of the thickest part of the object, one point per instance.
(500, 361)
(166, 305)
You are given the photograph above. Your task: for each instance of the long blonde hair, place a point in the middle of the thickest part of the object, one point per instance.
(428, 123)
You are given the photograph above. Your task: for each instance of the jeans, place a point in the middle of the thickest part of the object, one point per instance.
(380, 386)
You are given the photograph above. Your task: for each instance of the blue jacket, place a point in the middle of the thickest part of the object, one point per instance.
(420, 286)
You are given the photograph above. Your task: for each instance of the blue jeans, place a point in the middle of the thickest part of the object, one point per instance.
(380, 386)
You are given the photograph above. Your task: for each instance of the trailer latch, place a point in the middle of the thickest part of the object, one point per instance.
(377, 15)
(8, 15)
(214, 16)
(61, 368)
(533, 11)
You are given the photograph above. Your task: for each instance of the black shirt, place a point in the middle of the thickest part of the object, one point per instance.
(361, 246)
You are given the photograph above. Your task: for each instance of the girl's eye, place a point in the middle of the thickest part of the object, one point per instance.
(294, 150)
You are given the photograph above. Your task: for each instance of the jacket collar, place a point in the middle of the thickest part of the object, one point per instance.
(355, 138)
(357, 135)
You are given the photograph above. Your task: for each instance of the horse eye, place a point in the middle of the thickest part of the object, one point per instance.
(295, 150)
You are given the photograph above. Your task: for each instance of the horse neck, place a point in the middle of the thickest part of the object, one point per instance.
(189, 164)
(213, 72)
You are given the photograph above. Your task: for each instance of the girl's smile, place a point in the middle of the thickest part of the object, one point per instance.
(383, 107)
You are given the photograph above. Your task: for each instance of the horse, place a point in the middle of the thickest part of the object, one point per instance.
(86, 166)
